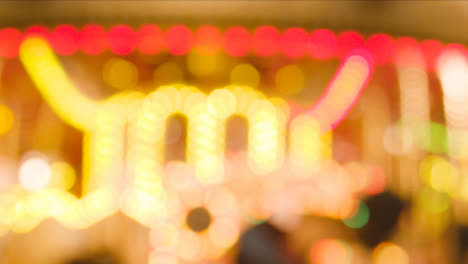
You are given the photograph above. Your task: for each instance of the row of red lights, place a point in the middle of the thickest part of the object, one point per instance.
(236, 41)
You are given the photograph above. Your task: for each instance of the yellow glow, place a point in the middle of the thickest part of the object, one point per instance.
(308, 147)
(168, 73)
(55, 86)
(34, 173)
(203, 64)
(245, 75)
(120, 74)
(6, 119)
(389, 253)
(63, 175)
(290, 80)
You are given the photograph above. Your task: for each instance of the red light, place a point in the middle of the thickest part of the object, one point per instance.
(431, 50)
(65, 40)
(150, 39)
(208, 40)
(237, 41)
(349, 41)
(323, 44)
(408, 52)
(295, 42)
(37, 31)
(93, 39)
(381, 47)
(179, 40)
(265, 41)
(122, 39)
(10, 40)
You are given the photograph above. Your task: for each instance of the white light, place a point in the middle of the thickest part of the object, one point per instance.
(453, 72)
(34, 174)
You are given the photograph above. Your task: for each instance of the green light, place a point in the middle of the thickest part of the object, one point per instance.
(360, 219)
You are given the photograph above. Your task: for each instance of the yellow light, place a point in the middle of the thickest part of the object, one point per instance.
(389, 253)
(204, 64)
(55, 86)
(63, 175)
(6, 119)
(308, 147)
(289, 80)
(245, 75)
(168, 73)
(34, 173)
(120, 74)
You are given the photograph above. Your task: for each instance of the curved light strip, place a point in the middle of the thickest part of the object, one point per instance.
(55, 86)
(342, 92)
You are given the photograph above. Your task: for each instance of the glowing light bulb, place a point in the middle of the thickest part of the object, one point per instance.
(34, 173)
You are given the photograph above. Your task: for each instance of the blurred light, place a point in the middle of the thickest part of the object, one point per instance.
(360, 218)
(343, 91)
(202, 65)
(179, 40)
(150, 39)
(34, 173)
(245, 75)
(389, 253)
(10, 41)
(453, 72)
(398, 140)
(439, 173)
(38, 31)
(63, 175)
(93, 39)
(376, 180)
(323, 44)
(432, 201)
(407, 52)
(65, 40)
(330, 251)
(120, 74)
(237, 41)
(295, 42)
(55, 86)
(431, 50)
(122, 39)
(349, 41)
(265, 41)
(169, 72)
(290, 80)
(381, 47)
(208, 40)
(7, 119)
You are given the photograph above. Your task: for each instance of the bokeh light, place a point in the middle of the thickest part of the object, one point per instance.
(245, 75)
(63, 176)
(34, 173)
(390, 253)
(120, 73)
(7, 119)
(289, 80)
(330, 251)
(360, 218)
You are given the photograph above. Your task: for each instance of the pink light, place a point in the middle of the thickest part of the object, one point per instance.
(237, 41)
(335, 103)
(179, 40)
(150, 39)
(10, 40)
(323, 44)
(431, 50)
(65, 40)
(122, 39)
(295, 42)
(93, 39)
(381, 47)
(208, 39)
(349, 41)
(265, 41)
